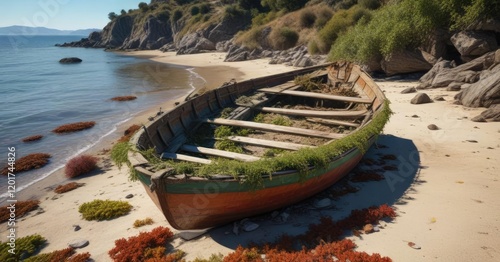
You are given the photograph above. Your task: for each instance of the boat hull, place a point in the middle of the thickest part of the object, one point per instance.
(197, 204)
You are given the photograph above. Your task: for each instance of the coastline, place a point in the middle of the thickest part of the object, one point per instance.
(455, 205)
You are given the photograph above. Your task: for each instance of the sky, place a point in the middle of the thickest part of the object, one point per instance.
(62, 14)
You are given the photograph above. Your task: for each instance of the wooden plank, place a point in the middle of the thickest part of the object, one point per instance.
(313, 113)
(282, 87)
(332, 122)
(221, 153)
(167, 155)
(318, 96)
(267, 143)
(274, 128)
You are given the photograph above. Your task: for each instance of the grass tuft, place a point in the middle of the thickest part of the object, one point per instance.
(104, 209)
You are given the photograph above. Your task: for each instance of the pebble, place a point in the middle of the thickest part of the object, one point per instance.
(78, 243)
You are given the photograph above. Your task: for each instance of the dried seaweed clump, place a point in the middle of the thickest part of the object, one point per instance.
(80, 165)
(73, 127)
(32, 138)
(129, 133)
(67, 187)
(124, 98)
(22, 208)
(29, 162)
(104, 209)
(67, 254)
(143, 222)
(147, 246)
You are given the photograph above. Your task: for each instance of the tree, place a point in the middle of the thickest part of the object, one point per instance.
(143, 6)
(112, 16)
(123, 12)
(289, 5)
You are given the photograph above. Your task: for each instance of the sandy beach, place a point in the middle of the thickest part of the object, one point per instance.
(446, 191)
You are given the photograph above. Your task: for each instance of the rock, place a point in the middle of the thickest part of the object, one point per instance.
(485, 92)
(421, 98)
(376, 229)
(248, 225)
(78, 243)
(322, 203)
(492, 113)
(478, 118)
(413, 245)
(191, 234)
(454, 86)
(432, 127)
(70, 60)
(129, 196)
(239, 54)
(303, 62)
(409, 90)
(368, 228)
(474, 43)
(407, 62)
(436, 43)
(471, 141)
(439, 98)
(76, 227)
(426, 79)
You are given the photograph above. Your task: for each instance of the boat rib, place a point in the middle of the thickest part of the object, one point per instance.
(314, 113)
(274, 128)
(332, 122)
(221, 153)
(175, 156)
(267, 143)
(318, 95)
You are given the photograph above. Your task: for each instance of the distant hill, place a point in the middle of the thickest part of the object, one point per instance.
(25, 30)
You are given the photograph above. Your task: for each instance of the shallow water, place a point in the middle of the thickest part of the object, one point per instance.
(38, 94)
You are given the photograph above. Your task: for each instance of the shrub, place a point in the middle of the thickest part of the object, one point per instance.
(177, 15)
(313, 47)
(234, 12)
(370, 4)
(322, 18)
(205, 8)
(32, 138)
(67, 187)
(67, 254)
(283, 38)
(29, 162)
(307, 18)
(104, 209)
(163, 16)
(119, 153)
(25, 247)
(143, 222)
(73, 127)
(22, 208)
(195, 10)
(143, 6)
(80, 165)
(142, 246)
(123, 98)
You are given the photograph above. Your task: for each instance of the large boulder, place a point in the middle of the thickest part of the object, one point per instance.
(421, 98)
(485, 92)
(407, 62)
(194, 43)
(474, 43)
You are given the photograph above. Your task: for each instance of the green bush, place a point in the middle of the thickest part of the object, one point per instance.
(370, 4)
(143, 6)
(104, 209)
(163, 16)
(283, 38)
(322, 18)
(195, 10)
(176, 16)
(205, 8)
(234, 12)
(307, 18)
(25, 247)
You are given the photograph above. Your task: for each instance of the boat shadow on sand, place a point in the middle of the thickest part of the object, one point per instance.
(396, 158)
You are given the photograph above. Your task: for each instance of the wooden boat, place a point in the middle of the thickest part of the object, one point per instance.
(198, 187)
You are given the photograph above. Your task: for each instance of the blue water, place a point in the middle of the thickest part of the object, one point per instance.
(37, 94)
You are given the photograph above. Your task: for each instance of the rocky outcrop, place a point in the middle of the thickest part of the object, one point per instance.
(485, 92)
(152, 34)
(194, 43)
(445, 72)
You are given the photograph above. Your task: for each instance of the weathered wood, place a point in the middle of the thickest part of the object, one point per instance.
(221, 153)
(332, 122)
(313, 113)
(267, 143)
(318, 95)
(167, 155)
(274, 128)
(282, 87)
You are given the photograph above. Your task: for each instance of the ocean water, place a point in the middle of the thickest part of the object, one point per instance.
(38, 94)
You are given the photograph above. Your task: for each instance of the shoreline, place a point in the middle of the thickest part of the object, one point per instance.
(452, 198)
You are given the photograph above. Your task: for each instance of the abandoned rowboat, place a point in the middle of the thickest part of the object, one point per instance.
(198, 185)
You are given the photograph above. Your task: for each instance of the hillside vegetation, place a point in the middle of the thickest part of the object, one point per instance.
(362, 31)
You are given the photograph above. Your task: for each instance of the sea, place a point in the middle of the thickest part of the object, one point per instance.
(38, 94)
